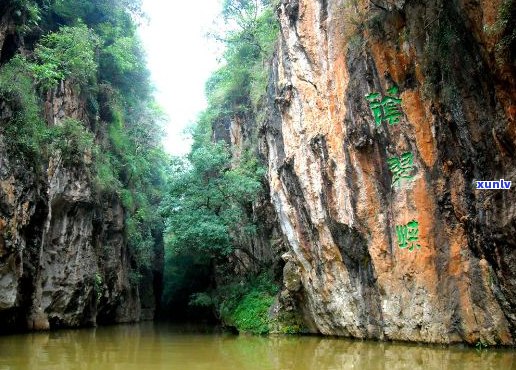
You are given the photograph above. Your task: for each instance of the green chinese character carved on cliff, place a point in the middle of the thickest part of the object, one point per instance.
(408, 235)
(401, 167)
(386, 108)
(390, 104)
(376, 107)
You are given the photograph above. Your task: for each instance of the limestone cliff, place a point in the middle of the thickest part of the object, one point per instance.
(64, 257)
(382, 117)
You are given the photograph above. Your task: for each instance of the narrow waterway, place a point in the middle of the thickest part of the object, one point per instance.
(161, 346)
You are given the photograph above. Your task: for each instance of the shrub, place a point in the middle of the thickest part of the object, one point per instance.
(243, 303)
(252, 314)
(106, 175)
(27, 14)
(66, 54)
(72, 140)
(97, 286)
(26, 130)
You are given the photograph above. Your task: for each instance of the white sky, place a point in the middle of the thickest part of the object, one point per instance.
(180, 59)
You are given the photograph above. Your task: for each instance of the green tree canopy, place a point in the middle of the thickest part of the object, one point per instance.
(66, 54)
(206, 205)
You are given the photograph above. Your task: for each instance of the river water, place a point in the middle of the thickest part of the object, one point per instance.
(162, 346)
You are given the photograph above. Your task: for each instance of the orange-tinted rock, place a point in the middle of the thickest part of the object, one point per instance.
(332, 188)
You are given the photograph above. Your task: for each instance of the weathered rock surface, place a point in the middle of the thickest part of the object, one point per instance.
(64, 259)
(332, 188)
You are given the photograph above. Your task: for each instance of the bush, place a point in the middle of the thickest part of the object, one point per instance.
(26, 130)
(141, 242)
(244, 303)
(27, 14)
(72, 140)
(66, 54)
(97, 286)
(252, 314)
(106, 175)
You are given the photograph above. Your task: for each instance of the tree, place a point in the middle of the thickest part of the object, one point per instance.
(208, 209)
(66, 54)
(206, 204)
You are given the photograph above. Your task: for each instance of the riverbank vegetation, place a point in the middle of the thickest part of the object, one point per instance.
(208, 209)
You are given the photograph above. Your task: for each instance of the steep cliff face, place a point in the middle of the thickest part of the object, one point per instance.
(64, 257)
(267, 244)
(383, 116)
(65, 260)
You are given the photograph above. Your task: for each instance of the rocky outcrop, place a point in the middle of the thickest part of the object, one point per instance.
(382, 117)
(64, 257)
(64, 260)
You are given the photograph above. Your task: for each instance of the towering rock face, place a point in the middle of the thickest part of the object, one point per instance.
(64, 257)
(383, 116)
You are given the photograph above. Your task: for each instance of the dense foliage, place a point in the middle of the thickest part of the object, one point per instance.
(246, 306)
(92, 47)
(208, 208)
(208, 198)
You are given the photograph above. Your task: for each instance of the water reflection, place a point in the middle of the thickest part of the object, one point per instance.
(158, 346)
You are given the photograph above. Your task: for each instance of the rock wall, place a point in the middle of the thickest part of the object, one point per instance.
(64, 259)
(382, 117)
(265, 247)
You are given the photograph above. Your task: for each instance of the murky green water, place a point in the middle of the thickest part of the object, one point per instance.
(159, 346)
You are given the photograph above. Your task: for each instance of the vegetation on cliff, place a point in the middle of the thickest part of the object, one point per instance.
(88, 51)
(90, 46)
(208, 208)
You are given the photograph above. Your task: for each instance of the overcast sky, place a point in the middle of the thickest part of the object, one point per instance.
(180, 59)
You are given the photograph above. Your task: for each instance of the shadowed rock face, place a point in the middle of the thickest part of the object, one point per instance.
(331, 184)
(55, 239)
(64, 260)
